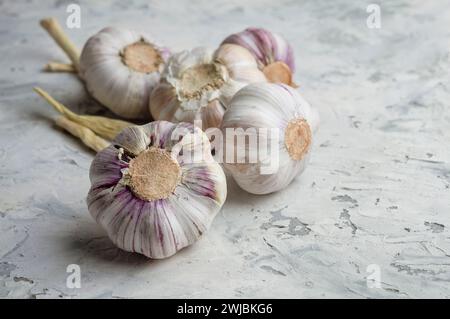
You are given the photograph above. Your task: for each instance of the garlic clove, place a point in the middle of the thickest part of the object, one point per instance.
(241, 65)
(157, 201)
(212, 114)
(290, 122)
(242, 69)
(163, 102)
(133, 139)
(106, 168)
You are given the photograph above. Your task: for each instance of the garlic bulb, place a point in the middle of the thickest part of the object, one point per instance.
(278, 124)
(121, 68)
(198, 85)
(274, 54)
(149, 195)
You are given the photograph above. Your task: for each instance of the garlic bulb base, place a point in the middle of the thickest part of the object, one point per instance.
(202, 78)
(142, 57)
(297, 138)
(153, 174)
(198, 84)
(278, 72)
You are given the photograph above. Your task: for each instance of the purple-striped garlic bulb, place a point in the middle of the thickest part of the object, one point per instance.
(275, 127)
(198, 84)
(121, 68)
(156, 188)
(274, 54)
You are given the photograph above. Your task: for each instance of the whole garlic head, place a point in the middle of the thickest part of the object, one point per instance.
(120, 68)
(275, 126)
(198, 85)
(274, 54)
(156, 188)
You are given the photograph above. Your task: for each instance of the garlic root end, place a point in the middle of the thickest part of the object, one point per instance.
(279, 72)
(297, 138)
(154, 174)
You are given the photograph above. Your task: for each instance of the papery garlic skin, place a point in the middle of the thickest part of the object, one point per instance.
(120, 68)
(141, 213)
(198, 84)
(276, 107)
(270, 49)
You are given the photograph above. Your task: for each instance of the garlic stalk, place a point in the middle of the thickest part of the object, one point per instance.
(279, 126)
(55, 30)
(120, 67)
(148, 195)
(103, 126)
(59, 67)
(198, 84)
(89, 138)
(274, 54)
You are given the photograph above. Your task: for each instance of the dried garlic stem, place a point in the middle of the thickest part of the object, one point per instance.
(57, 33)
(89, 138)
(103, 126)
(59, 67)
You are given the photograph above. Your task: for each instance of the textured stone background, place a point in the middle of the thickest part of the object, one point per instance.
(377, 190)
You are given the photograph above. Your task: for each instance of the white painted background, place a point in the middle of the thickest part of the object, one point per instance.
(377, 190)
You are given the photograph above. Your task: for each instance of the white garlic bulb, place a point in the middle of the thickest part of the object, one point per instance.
(198, 85)
(121, 68)
(150, 194)
(278, 124)
(274, 54)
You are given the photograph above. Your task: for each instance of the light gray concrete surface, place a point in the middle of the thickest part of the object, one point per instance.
(376, 194)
